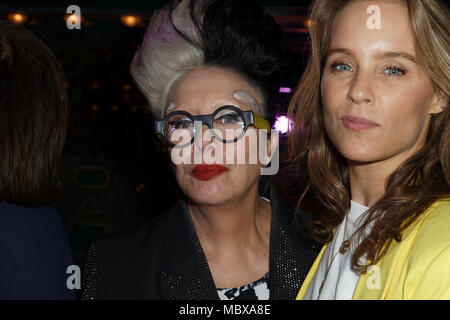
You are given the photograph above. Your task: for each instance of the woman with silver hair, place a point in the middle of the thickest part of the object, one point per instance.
(207, 70)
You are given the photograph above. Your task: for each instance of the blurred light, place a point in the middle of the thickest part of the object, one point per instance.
(73, 18)
(307, 23)
(134, 109)
(285, 90)
(130, 21)
(283, 124)
(126, 87)
(115, 108)
(95, 85)
(95, 107)
(17, 18)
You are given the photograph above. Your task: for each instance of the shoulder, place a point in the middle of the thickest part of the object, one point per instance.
(123, 245)
(121, 265)
(433, 227)
(36, 250)
(430, 255)
(27, 219)
(294, 225)
(31, 229)
(428, 235)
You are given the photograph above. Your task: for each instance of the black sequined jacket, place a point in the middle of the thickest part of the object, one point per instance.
(164, 259)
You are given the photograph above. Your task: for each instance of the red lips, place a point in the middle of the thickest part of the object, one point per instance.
(358, 123)
(206, 172)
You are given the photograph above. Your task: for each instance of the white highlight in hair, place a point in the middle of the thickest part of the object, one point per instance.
(164, 55)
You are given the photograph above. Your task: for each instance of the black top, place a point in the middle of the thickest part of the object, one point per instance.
(163, 259)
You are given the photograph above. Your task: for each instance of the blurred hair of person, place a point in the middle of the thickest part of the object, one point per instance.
(34, 245)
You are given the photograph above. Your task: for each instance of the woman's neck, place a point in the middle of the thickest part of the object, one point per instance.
(233, 225)
(368, 180)
(367, 183)
(235, 238)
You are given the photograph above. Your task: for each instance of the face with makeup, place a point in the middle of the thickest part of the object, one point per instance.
(377, 99)
(199, 92)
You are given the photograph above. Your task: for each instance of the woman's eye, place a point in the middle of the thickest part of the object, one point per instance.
(229, 118)
(339, 66)
(394, 71)
(181, 124)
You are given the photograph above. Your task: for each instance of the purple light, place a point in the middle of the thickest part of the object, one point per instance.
(282, 124)
(285, 90)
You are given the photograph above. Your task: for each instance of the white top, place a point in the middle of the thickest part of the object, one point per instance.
(341, 281)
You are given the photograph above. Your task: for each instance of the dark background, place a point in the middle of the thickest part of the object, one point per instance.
(113, 172)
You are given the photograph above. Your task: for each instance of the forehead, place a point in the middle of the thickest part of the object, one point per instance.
(203, 90)
(351, 29)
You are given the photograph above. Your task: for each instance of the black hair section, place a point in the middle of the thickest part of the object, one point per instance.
(240, 35)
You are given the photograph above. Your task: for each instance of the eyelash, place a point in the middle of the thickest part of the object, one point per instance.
(391, 67)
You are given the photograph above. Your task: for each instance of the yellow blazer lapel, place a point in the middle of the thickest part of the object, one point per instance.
(310, 275)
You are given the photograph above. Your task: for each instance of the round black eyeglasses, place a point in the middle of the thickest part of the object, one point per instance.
(228, 124)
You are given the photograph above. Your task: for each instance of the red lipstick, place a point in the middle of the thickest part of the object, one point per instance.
(206, 172)
(358, 123)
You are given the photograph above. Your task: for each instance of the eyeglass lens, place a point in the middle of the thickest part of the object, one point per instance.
(227, 125)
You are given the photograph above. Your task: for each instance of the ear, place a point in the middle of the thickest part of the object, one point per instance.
(272, 143)
(439, 102)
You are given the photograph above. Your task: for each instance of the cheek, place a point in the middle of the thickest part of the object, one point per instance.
(405, 116)
(221, 189)
(333, 95)
(245, 151)
(182, 175)
(333, 91)
(400, 108)
(406, 103)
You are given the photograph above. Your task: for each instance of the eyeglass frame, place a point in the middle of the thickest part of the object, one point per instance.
(249, 116)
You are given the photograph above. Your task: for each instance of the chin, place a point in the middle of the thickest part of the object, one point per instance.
(202, 199)
(207, 192)
(362, 154)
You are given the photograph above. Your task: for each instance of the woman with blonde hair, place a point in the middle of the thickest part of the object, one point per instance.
(372, 128)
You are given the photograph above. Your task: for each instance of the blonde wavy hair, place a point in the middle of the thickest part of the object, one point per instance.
(417, 183)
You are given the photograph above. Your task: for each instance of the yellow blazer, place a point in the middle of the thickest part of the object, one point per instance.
(418, 267)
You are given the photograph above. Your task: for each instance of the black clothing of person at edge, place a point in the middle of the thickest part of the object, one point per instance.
(163, 259)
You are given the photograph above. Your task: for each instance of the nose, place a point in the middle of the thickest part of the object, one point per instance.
(204, 137)
(360, 91)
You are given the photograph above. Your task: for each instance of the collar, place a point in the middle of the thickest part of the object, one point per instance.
(184, 271)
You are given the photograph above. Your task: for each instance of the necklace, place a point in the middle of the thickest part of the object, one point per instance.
(345, 245)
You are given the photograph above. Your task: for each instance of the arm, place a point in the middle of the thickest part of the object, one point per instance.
(8, 278)
(90, 275)
(435, 281)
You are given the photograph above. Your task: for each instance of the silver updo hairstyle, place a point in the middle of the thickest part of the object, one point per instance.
(190, 34)
(165, 55)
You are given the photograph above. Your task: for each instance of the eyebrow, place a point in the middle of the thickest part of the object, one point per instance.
(379, 54)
